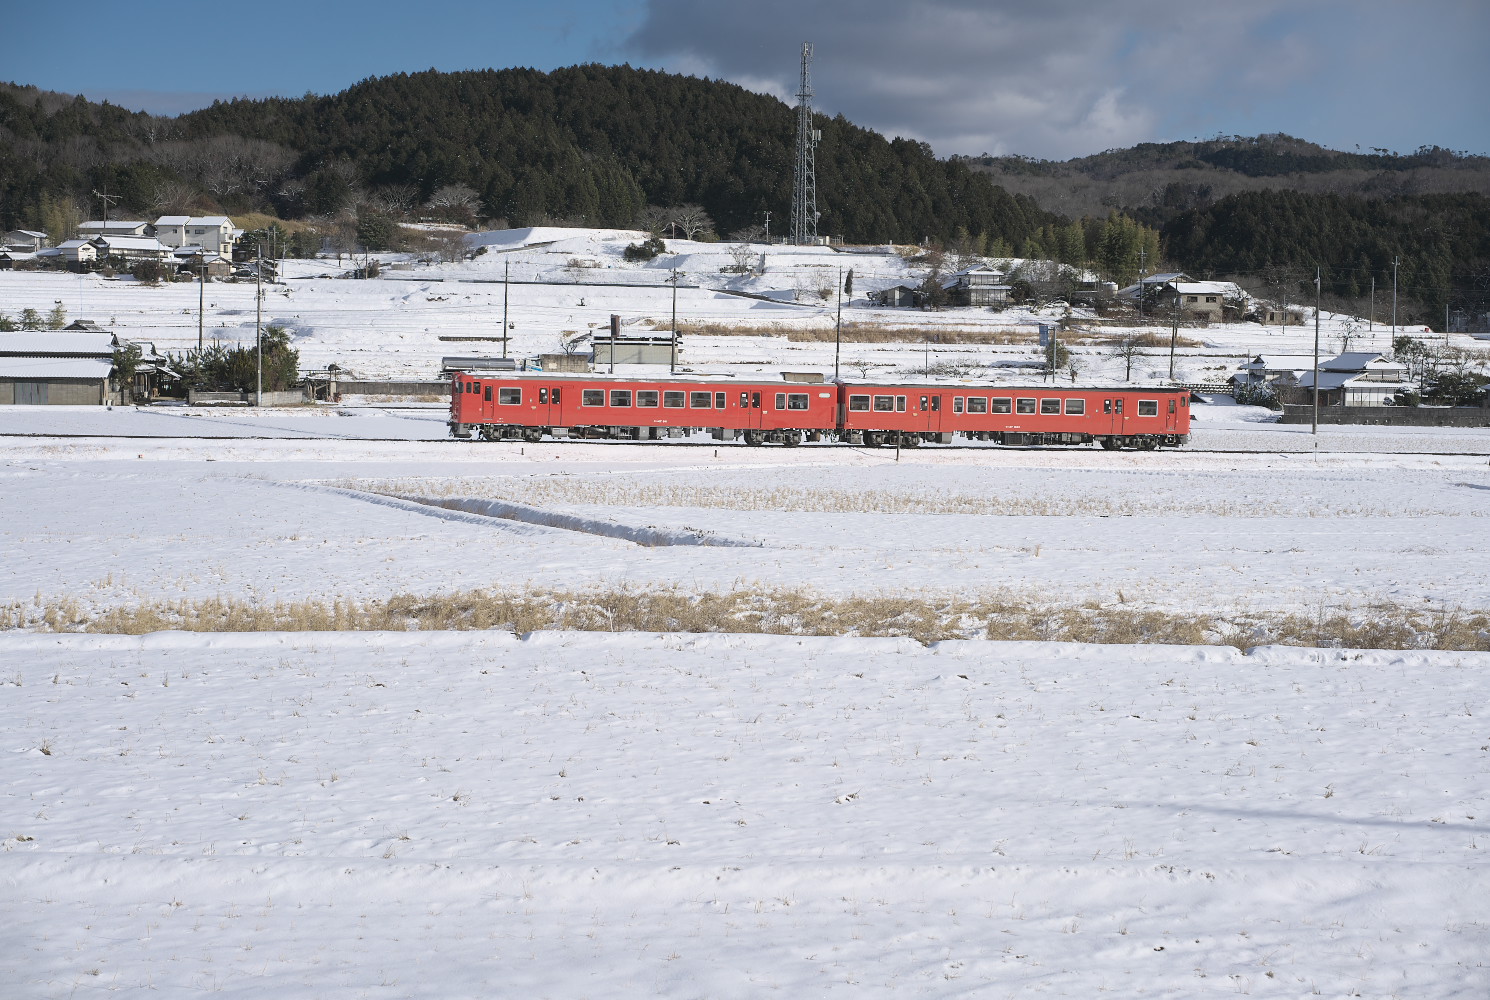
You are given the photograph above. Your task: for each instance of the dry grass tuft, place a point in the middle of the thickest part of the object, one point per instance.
(778, 611)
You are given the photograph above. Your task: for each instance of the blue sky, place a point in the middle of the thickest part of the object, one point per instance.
(1051, 79)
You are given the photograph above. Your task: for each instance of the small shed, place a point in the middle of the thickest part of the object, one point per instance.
(55, 381)
(25, 239)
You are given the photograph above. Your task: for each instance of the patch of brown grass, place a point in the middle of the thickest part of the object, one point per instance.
(776, 611)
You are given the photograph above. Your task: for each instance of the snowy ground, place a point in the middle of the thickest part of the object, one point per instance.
(573, 815)
(568, 282)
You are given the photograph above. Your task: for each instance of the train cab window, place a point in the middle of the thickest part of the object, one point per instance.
(1001, 404)
(646, 397)
(977, 404)
(488, 394)
(1171, 406)
(899, 404)
(1075, 407)
(796, 401)
(781, 401)
(620, 397)
(592, 397)
(956, 404)
(1106, 406)
(1050, 406)
(509, 396)
(925, 402)
(1024, 405)
(673, 399)
(858, 403)
(884, 404)
(1148, 407)
(701, 400)
(718, 400)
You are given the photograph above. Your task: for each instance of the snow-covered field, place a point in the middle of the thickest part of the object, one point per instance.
(567, 814)
(565, 283)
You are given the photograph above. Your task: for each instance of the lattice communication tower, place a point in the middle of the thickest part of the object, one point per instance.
(804, 194)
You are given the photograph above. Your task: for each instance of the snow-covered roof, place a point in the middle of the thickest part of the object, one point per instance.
(1281, 362)
(27, 368)
(1152, 280)
(72, 244)
(130, 243)
(81, 344)
(18, 254)
(113, 226)
(1206, 287)
(173, 220)
(1353, 361)
(29, 232)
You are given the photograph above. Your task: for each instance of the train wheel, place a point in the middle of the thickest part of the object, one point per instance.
(1148, 443)
(791, 438)
(754, 439)
(532, 435)
(871, 439)
(1110, 444)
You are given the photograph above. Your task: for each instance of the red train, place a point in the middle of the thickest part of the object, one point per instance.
(527, 405)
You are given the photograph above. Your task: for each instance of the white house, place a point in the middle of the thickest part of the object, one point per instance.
(1357, 378)
(1281, 370)
(77, 251)
(131, 247)
(213, 232)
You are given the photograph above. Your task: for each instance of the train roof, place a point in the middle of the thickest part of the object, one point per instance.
(721, 379)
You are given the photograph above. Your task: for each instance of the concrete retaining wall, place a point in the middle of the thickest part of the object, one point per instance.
(292, 397)
(1400, 416)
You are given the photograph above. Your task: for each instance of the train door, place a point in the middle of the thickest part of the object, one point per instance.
(1113, 415)
(547, 408)
(750, 407)
(929, 413)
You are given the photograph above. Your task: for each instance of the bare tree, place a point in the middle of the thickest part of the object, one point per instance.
(691, 221)
(454, 203)
(1127, 350)
(654, 219)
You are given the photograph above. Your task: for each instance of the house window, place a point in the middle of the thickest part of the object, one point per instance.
(701, 400)
(674, 399)
(1210, 298)
(646, 397)
(858, 402)
(1024, 406)
(1148, 407)
(977, 404)
(1075, 407)
(1050, 406)
(620, 397)
(592, 397)
(507, 396)
(884, 404)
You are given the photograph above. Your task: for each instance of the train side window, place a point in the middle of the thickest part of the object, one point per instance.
(718, 400)
(956, 404)
(555, 396)
(620, 397)
(646, 397)
(1106, 406)
(543, 395)
(977, 404)
(936, 404)
(1171, 406)
(1024, 405)
(702, 400)
(673, 399)
(509, 396)
(1119, 405)
(744, 400)
(781, 401)
(1049, 406)
(1001, 404)
(592, 397)
(1075, 407)
(899, 404)
(884, 404)
(1184, 401)
(796, 401)
(1148, 407)
(488, 394)
(755, 401)
(858, 402)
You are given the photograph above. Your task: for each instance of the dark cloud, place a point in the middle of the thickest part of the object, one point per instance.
(1055, 79)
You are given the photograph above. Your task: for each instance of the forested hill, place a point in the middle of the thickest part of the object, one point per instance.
(1157, 181)
(588, 143)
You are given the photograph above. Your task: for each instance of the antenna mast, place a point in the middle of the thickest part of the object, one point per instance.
(804, 194)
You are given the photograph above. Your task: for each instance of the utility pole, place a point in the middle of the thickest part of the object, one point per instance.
(1371, 320)
(838, 327)
(1395, 262)
(1174, 335)
(1142, 273)
(768, 228)
(201, 298)
(259, 324)
(506, 268)
(1315, 429)
(672, 367)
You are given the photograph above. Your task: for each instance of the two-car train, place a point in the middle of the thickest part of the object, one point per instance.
(528, 405)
